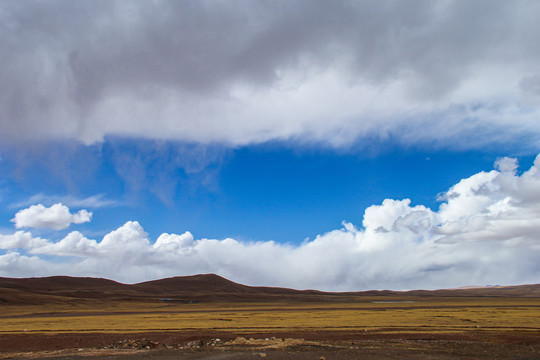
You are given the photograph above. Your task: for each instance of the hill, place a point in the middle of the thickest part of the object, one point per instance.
(208, 287)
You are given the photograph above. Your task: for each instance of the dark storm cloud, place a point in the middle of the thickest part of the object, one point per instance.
(244, 71)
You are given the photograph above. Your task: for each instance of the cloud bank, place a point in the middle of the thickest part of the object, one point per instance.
(55, 217)
(484, 232)
(246, 72)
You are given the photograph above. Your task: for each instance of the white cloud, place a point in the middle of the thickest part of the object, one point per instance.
(21, 239)
(485, 232)
(55, 217)
(506, 164)
(430, 71)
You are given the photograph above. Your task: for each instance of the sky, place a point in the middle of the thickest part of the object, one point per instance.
(336, 145)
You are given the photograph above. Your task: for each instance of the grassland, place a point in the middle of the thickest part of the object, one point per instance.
(41, 316)
(368, 315)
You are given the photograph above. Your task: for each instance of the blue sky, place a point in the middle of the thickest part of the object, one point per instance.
(392, 146)
(253, 193)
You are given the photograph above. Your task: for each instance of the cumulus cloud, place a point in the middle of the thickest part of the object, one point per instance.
(506, 164)
(484, 232)
(246, 72)
(21, 239)
(55, 217)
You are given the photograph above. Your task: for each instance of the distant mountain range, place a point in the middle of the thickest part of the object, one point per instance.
(208, 287)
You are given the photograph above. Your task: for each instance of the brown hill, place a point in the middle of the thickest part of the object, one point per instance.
(56, 289)
(212, 283)
(190, 284)
(209, 287)
(56, 283)
(492, 291)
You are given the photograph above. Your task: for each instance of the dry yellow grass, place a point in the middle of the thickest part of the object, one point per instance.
(423, 315)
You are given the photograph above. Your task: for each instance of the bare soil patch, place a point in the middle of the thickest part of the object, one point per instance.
(312, 345)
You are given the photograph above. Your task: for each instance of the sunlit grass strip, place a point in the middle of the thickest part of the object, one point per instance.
(296, 317)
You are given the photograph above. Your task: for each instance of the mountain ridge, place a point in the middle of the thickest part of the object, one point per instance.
(205, 287)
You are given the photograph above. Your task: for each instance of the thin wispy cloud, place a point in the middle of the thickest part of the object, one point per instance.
(93, 202)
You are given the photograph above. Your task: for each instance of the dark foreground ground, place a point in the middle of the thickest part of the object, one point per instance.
(316, 345)
(177, 318)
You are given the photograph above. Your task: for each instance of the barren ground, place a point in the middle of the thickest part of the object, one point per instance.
(246, 331)
(58, 320)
